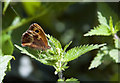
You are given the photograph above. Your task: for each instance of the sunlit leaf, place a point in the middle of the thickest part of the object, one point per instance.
(39, 57)
(111, 25)
(117, 43)
(117, 26)
(72, 80)
(67, 46)
(24, 51)
(60, 80)
(114, 53)
(102, 20)
(6, 4)
(55, 41)
(4, 60)
(107, 11)
(99, 30)
(78, 51)
(96, 61)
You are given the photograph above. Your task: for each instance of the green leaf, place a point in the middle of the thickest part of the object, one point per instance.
(6, 4)
(78, 51)
(43, 58)
(117, 26)
(55, 41)
(117, 43)
(4, 60)
(72, 80)
(7, 46)
(102, 20)
(9, 65)
(67, 46)
(60, 80)
(24, 51)
(111, 25)
(114, 54)
(99, 30)
(97, 60)
(107, 11)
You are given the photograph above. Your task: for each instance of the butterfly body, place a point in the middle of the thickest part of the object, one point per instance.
(35, 38)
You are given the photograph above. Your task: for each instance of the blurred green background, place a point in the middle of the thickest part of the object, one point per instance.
(66, 21)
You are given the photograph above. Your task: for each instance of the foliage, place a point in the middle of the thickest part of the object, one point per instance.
(6, 4)
(99, 30)
(4, 61)
(107, 11)
(77, 51)
(7, 44)
(56, 56)
(105, 29)
(48, 14)
(71, 80)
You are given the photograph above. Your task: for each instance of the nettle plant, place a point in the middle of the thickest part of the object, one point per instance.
(58, 57)
(110, 52)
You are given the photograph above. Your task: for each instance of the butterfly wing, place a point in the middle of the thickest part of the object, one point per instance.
(27, 39)
(37, 29)
(33, 40)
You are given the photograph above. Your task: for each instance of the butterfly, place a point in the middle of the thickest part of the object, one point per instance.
(35, 38)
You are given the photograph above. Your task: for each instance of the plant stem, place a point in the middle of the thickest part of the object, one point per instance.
(23, 21)
(116, 37)
(60, 75)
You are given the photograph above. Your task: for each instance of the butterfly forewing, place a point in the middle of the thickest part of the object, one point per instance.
(35, 37)
(36, 28)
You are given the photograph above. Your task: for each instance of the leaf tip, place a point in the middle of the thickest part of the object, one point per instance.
(13, 57)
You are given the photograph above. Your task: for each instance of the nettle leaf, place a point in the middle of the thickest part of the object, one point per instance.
(78, 51)
(107, 11)
(74, 80)
(114, 54)
(58, 48)
(55, 41)
(43, 58)
(67, 46)
(99, 30)
(117, 43)
(111, 25)
(117, 26)
(24, 51)
(102, 20)
(97, 60)
(4, 60)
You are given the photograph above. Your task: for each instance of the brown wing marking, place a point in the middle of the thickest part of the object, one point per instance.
(27, 39)
(36, 28)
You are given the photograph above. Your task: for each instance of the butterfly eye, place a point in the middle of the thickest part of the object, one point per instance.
(36, 31)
